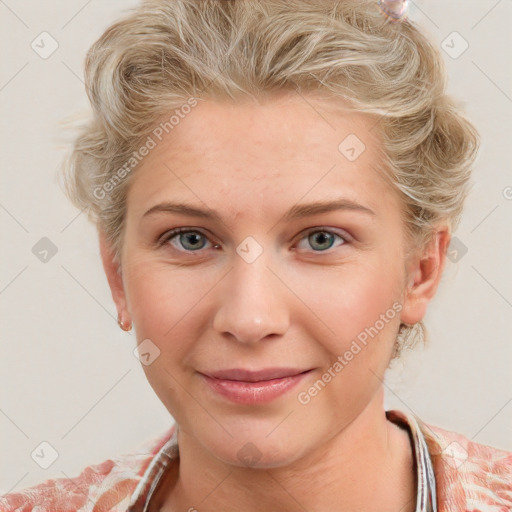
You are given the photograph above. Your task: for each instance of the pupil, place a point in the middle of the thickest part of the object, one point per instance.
(192, 239)
(323, 238)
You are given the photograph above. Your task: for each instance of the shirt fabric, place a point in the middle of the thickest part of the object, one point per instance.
(453, 474)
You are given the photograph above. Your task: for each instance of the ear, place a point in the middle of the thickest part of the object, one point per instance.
(113, 272)
(425, 272)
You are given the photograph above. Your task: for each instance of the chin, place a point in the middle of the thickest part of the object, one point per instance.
(255, 455)
(256, 448)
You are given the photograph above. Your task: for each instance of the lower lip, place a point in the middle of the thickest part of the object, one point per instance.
(253, 393)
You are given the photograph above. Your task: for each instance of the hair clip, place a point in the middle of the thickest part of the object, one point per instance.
(395, 9)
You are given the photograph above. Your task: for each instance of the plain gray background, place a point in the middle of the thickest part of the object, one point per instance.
(68, 373)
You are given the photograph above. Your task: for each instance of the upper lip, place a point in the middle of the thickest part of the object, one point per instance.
(255, 375)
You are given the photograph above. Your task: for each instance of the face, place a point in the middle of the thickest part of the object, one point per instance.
(257, 281)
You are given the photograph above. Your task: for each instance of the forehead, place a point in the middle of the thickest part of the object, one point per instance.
(290, 124)
(288, 145)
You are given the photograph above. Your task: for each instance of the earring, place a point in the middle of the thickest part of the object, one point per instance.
(125, 326)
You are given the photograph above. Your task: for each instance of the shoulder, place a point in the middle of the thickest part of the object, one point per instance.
(469, 476)
(100, 487)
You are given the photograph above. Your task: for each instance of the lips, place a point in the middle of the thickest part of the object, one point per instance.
(251, 387)
(243, 375)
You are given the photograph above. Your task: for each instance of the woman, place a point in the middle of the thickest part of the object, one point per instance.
(227, 140)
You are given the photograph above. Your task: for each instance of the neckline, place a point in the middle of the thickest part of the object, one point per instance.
(426, 500)
(146, 492)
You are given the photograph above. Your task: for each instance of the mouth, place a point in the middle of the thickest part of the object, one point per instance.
(253, 387)
(243, 375)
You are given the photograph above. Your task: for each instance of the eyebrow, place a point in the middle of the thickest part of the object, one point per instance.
(297, 211)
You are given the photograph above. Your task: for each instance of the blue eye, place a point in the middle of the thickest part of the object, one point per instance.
(189, 239)
(322, 239)
(193, 240)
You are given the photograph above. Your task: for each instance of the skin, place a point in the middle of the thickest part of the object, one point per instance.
(300, 303)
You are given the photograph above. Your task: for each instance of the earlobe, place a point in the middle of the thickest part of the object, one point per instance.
(114, 275)
(425, 273)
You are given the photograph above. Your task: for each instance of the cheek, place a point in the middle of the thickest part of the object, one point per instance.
(362, 314)
(150, 302)
(351, 300)
(166, 310)
(155, 293)
(168, 305)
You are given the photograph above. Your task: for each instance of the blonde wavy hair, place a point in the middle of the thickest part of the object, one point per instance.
(164, 55)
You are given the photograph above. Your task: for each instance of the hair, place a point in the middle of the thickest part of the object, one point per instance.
(164, 56)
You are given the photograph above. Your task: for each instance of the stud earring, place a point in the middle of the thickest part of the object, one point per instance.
(126, 326)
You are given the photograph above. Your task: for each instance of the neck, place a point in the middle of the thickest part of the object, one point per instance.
(366, 465)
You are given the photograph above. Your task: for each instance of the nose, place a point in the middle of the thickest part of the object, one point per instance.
(252, 303)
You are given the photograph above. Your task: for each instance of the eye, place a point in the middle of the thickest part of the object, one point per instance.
(189, 239)
(323, 239)
(192, 240)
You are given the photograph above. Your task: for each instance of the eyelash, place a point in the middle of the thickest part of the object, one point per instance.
(169, 235)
